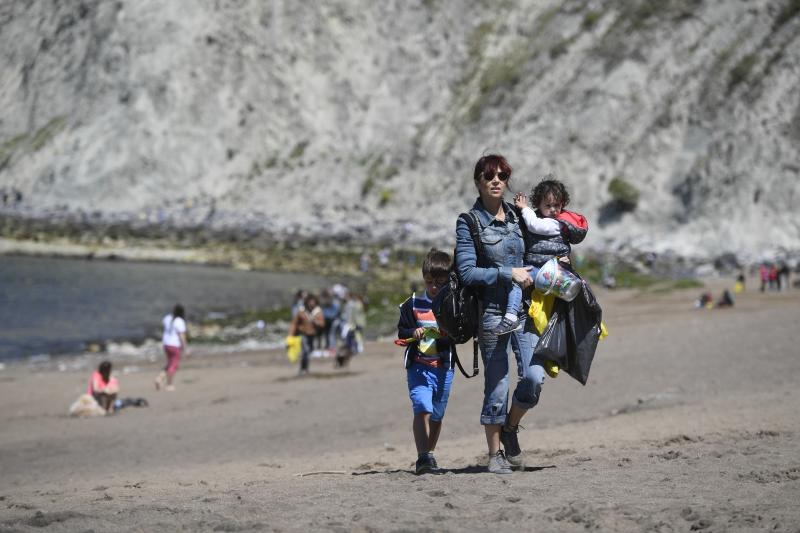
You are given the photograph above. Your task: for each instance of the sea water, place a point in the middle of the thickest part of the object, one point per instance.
(56, 306)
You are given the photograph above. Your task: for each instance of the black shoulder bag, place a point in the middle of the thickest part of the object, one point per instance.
(458, 308)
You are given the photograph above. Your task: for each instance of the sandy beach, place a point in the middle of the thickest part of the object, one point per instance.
(689, 422)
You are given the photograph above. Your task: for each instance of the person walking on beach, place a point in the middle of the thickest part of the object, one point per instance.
(428, 360)
(331, 309)
(353, 322)
(299, 298)
(307, 322)
(174, 341)
(783, 277)
(763, 275)
(773, 277)
(499, 266)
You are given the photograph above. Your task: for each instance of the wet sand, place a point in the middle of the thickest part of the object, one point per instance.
(690, 421)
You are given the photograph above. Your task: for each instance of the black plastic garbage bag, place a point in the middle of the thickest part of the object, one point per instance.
(583, 333)
(552, 343)
(571, 336)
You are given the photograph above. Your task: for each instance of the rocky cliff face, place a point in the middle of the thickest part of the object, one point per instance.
(341, 120)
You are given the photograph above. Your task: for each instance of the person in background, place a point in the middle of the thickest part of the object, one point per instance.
(299, 298)
(783, 277)
(363, 262)
(353, 324)
(740, 283)
(383, 257)
(104, 387)
(726, 300)
(331, 308)
(773, 277)
(308, 320)
(174, 341)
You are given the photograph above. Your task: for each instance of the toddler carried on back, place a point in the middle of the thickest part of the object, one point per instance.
(548, 232)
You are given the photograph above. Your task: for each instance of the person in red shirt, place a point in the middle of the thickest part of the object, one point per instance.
(773, 278)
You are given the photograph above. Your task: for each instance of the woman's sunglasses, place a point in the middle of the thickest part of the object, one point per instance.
(502, 176)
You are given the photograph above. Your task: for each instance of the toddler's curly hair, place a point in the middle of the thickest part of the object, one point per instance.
(549, 185)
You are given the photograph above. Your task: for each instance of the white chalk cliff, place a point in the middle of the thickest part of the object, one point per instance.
(343, 120)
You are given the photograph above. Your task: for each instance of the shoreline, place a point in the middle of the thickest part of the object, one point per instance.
(229, 324)
(381, 286)
(376, 284)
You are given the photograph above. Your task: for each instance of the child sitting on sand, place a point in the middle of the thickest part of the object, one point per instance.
(104, 387)
(427, 359)
(546, 235)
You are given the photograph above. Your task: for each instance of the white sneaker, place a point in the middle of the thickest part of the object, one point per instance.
(498, 463)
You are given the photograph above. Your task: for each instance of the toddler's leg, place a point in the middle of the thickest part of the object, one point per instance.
(514, 302)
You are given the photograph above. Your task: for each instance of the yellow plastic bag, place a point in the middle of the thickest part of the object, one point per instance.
(540, 310)
(603, 331)
(293, 347)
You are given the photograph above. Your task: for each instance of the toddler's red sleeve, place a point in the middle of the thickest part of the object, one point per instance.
(574, 226)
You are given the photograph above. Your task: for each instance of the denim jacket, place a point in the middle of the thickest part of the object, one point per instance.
(503, 249)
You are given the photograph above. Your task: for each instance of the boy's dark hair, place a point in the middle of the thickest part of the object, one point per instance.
(549, 185)
(436, 263)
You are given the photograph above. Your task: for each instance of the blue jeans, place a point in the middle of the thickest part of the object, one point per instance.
(307, 347)
(514, 299)
(502, 249)
(494, 352)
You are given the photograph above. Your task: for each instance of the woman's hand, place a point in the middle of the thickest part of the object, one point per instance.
(522, 277)
(419, 333)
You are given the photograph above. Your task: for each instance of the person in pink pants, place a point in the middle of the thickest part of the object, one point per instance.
(174, 341)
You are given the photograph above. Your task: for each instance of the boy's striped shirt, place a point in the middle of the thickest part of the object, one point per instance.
(423, 314)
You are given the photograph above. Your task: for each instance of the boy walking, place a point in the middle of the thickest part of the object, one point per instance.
(427, 359)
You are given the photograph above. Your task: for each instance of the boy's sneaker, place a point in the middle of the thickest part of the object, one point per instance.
(508, 436)
(498, 464)
(507, 326)
(426, 464)
(436, 469)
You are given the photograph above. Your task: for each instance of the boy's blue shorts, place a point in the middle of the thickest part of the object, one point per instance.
(429, 389)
